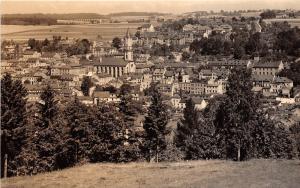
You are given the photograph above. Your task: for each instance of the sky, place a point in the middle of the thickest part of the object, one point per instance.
(165, 6)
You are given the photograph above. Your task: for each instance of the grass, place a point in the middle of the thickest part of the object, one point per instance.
(107, 31)
(210, 174)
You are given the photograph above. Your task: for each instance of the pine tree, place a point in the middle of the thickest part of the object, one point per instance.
(205, 141)
(126, 107)
(76, 136)
(47, 133)
(240, 107)
(86, 85)
(13, 120)
(107, 134)
(155, 126)
(187, 124)
(48, 109)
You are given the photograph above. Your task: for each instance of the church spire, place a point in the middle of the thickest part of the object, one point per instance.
(128, 33)
(128, 56)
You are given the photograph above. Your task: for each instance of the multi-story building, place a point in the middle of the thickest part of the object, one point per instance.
(268, 68)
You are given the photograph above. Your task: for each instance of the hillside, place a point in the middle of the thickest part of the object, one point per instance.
(137, 14)
(214, 173)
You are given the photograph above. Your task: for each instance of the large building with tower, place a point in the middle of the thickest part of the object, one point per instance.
(116, 67)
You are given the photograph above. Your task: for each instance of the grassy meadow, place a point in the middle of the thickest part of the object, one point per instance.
(190, 174)
(107, 31)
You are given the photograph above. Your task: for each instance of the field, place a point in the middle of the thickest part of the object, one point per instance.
(210, 174)
(293, 22)
(107, 31)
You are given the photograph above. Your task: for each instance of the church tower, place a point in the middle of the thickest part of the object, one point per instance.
(128, 56)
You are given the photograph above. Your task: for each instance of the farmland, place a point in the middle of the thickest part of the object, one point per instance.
(106, 31)
(293, 22)
(213, 173)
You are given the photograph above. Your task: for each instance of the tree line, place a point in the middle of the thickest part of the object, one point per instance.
(242, 44)
(234, 126)
(49, 135)
(79, 47)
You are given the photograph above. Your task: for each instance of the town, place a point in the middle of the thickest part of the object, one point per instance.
(142, 96)
(166, 54)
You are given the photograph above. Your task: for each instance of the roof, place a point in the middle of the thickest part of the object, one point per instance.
(28, 52)
(206, 71)
(142, 65)
(85, 98)
(30, 87)
(32, 59)
(197, 100)
(169, 73)
(273, 64)
(282, 80)
(146, 26)
(262, 78)
(110, 61)
(101, 94)
(48, 54)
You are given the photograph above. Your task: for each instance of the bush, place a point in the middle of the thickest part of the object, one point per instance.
(171, 154)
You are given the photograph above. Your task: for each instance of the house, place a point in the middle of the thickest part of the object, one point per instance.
(267, 68)
(59, 70)
(28, 78)
(195, 88)
(146, 28)
(33, 92)
(30, 54)
(178, 103)
(158, 73)
(102, 79)
(165, 89)
(35, 62)
(146, 81)
(175, 100)
(142, 67)
(87, 100)
(281, 86)
(169, 77)
(207, 74)
(50, 56)
(177, 56)
(200, 103)
(104, 96)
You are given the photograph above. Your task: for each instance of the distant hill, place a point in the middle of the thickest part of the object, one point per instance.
(45, 19)
(51, 19)
(56, 16)
(136, 14)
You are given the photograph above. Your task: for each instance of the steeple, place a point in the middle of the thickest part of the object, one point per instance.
(128, 35)
(128, 56)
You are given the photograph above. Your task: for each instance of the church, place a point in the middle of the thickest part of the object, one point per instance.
(116, 67)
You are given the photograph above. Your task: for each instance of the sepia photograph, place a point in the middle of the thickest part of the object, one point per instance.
(150, 93)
